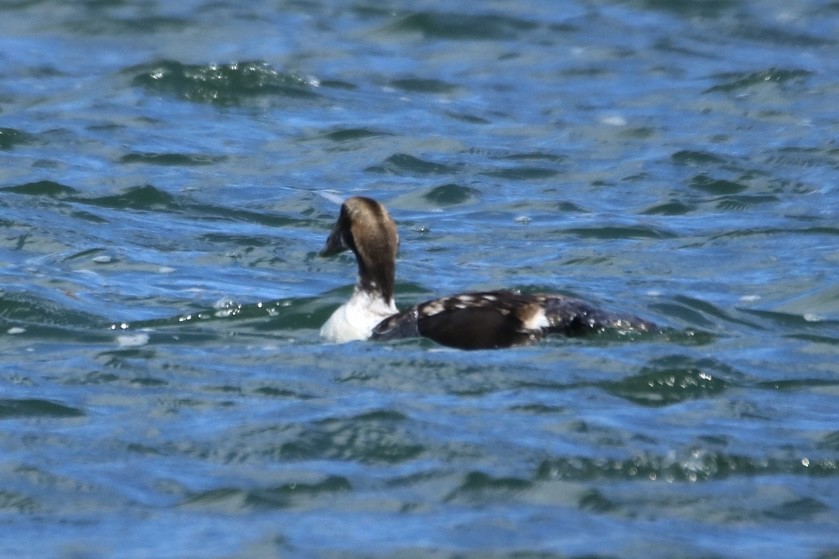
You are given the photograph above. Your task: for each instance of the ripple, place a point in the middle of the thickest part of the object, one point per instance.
(781, 34)
(734, 82)
(815, 231)
(423, 85)
(690, 9)
(462, 26)
(153, 199)
(372, 438)
(146, 197)
(468, 118)
(740, 203)
(693, 465)
(350, 134)
(830, 441)
(620, 232)
(672, 208)
(789, 320)
(716, 186)
(11, 137)
(287, 495)
(226, 84)
(674, 379)
(804, 157)
(478, 487)
(176, 159)
(404, 164)
(697, 312)
(39, 316)
(692, 158)
(798, 384)
(282, 314)
(14, 501)
(46, 188)
(522, 173)
(450, 195)
(535, 156)
(36, 408)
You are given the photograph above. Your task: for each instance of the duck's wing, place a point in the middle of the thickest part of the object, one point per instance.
(495, 319)
(467, 321)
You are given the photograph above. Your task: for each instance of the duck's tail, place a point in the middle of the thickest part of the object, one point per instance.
(572, 317)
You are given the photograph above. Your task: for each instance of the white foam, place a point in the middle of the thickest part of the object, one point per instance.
(614, 120)
(133, 340)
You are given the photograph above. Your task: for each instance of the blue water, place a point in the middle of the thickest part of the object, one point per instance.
(170, 171)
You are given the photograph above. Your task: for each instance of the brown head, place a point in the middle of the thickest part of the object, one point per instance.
(366, 228)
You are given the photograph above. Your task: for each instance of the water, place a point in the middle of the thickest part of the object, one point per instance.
(170, 171)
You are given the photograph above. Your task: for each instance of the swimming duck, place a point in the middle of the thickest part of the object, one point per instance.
(481, 320)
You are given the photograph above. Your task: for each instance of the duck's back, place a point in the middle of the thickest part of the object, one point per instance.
(495, 319)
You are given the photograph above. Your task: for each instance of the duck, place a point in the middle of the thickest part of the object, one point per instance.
(474, 320)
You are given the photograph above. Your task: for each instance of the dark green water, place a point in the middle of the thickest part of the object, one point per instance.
(170, 170)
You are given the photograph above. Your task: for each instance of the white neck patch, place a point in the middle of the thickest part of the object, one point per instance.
(355, 319)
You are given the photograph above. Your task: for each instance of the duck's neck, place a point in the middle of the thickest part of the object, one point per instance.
(376, 280)
(372, 303)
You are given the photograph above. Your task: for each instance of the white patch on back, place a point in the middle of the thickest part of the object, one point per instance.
(433, 307)
(537, 319)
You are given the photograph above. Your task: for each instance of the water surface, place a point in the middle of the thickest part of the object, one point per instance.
(171, 170)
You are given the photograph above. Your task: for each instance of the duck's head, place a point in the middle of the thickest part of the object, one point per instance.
(366, 228)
